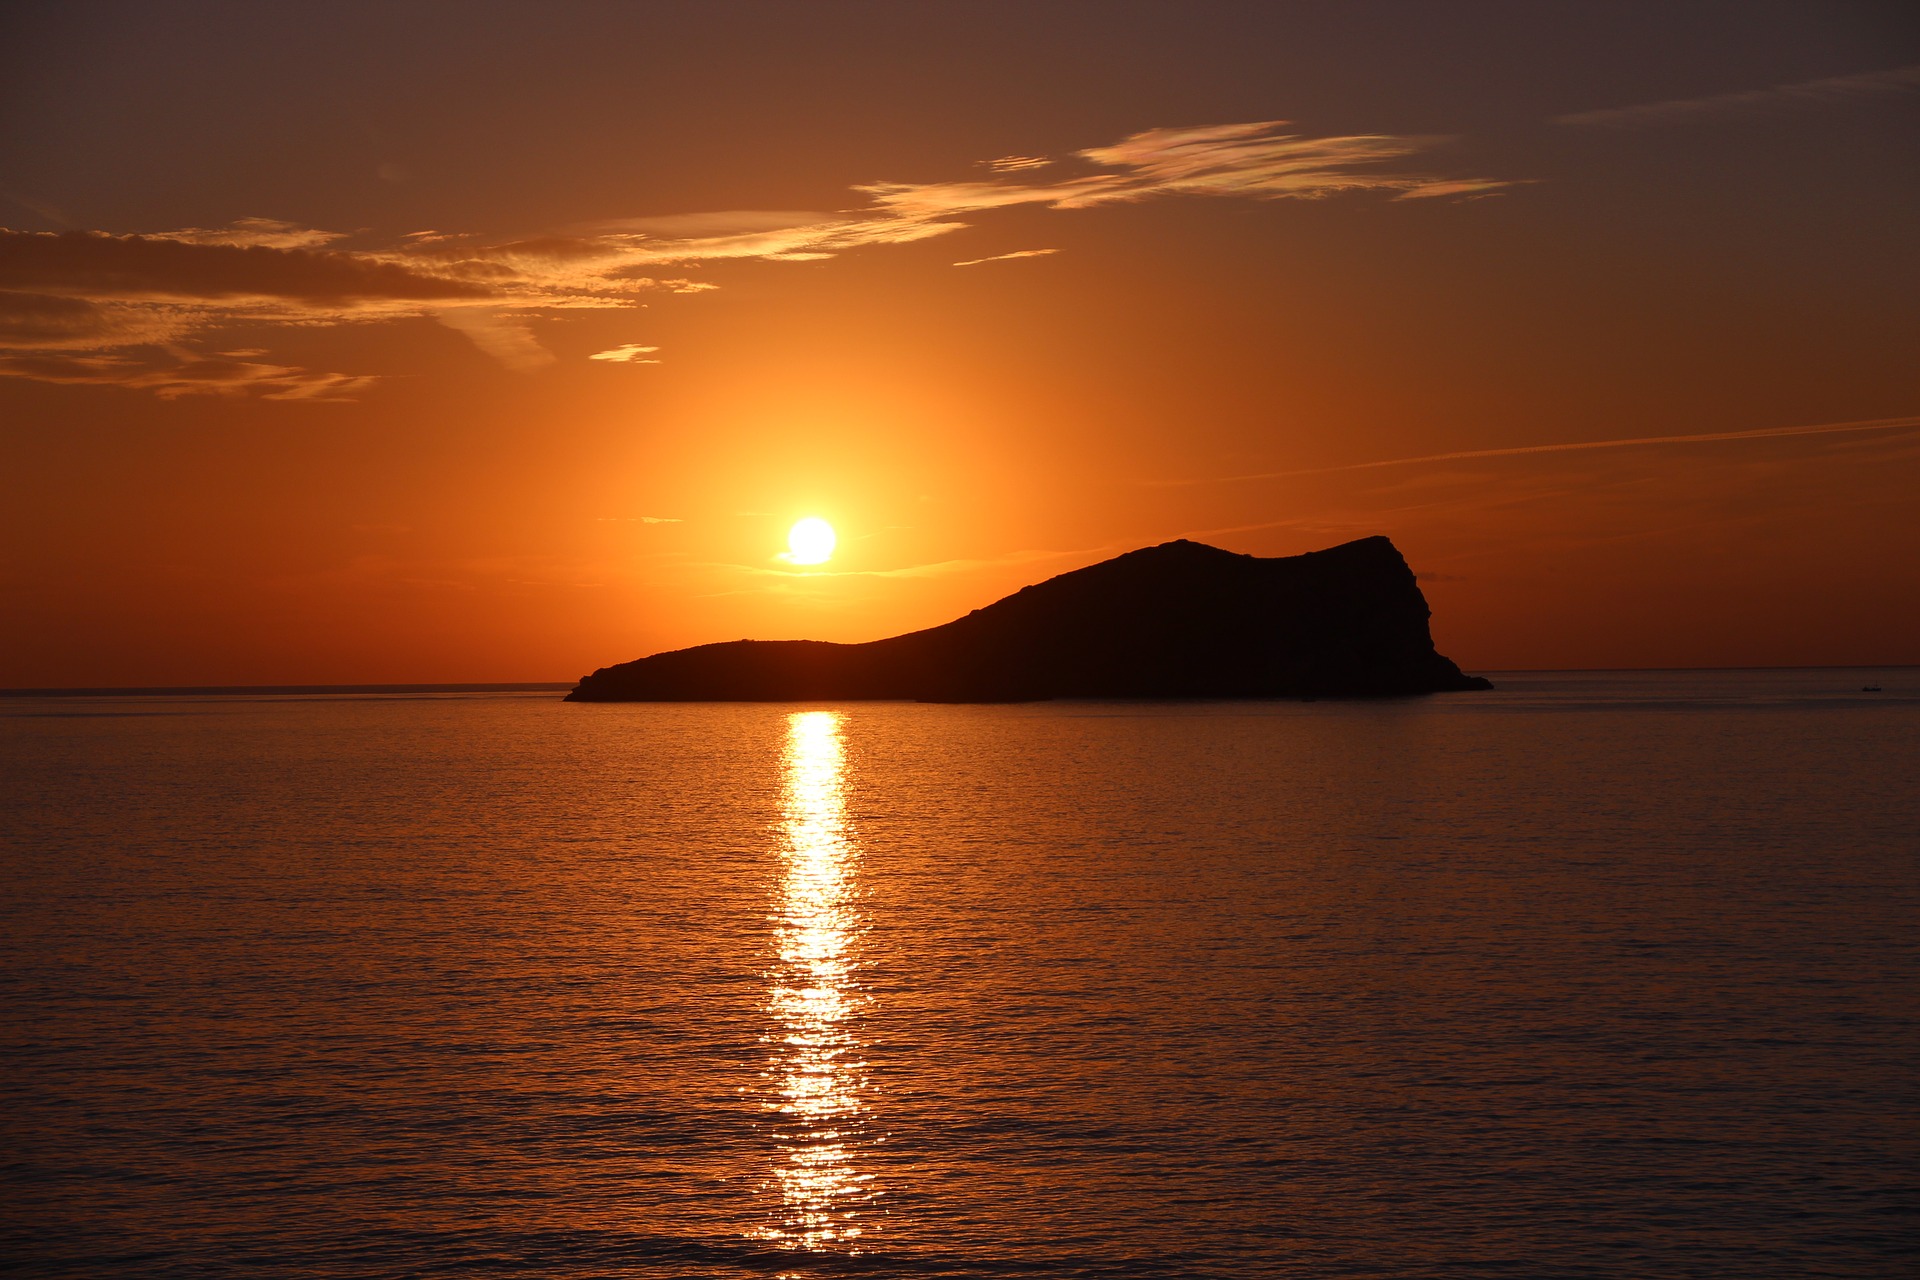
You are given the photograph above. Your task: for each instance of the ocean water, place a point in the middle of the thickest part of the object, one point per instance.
(1595, 975)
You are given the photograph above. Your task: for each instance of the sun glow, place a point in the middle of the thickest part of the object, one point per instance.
(810, 541)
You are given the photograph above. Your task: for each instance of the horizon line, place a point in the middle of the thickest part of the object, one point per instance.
(544, 686)
(217, 690)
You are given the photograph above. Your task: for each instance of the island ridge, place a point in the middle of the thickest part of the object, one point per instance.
(1178, 620)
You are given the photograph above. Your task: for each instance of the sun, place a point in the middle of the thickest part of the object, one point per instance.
(810, 541)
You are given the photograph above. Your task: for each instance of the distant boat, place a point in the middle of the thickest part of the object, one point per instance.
(1869, 688)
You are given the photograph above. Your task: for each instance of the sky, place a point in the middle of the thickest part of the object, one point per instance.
(490, 342)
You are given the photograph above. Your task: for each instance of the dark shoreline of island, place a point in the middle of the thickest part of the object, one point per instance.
(1178, 620)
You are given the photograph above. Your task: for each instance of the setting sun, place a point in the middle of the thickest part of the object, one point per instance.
(810, 541)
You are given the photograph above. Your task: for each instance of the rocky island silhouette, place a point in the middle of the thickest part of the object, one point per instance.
(1178, 620)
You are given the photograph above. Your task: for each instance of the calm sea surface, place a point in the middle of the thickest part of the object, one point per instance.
(1596, 975)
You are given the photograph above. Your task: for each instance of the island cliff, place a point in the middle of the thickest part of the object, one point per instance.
(1180, 620)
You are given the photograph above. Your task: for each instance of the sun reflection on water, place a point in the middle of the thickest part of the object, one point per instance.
(816, 1079)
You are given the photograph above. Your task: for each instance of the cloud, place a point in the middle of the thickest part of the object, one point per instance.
(626, 245)
(39, 322)
(95, 291)
(501, 335)
(93, 264)
(99, 292)
(632, 353)
(1577, 446)
(268, 232)
(1257, 160)
(91, 291)
(187, 375)
(1833, 89)
(1253, 160)
(1006, 257)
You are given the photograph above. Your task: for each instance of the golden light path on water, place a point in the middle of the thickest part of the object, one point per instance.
(817, 1076)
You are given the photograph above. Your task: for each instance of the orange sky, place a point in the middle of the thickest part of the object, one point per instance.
(309, 319)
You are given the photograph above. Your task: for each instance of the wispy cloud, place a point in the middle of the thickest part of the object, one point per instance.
(1259, 159)
(270, 233)
(1577, 446)
(627, 244)
(46, 323)
(185, 375)
(90, 292)
(501, 334)
(1007, 257)
(1256, 160)
(95, 292)
(631, 353)
(167, 268)
(65, 293)
(1832, 89)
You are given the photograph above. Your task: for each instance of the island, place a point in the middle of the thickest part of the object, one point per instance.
(1178, 620)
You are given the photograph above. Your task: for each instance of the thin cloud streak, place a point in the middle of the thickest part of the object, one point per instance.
(938, 568)
(1832, 89)
(1007, 257)
(631, 353)
(1578, 446)
(168, 268)
(1251, 160)
(187, 375)
(270, 233)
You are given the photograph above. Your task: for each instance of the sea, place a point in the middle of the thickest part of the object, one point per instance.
(1595, 975)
